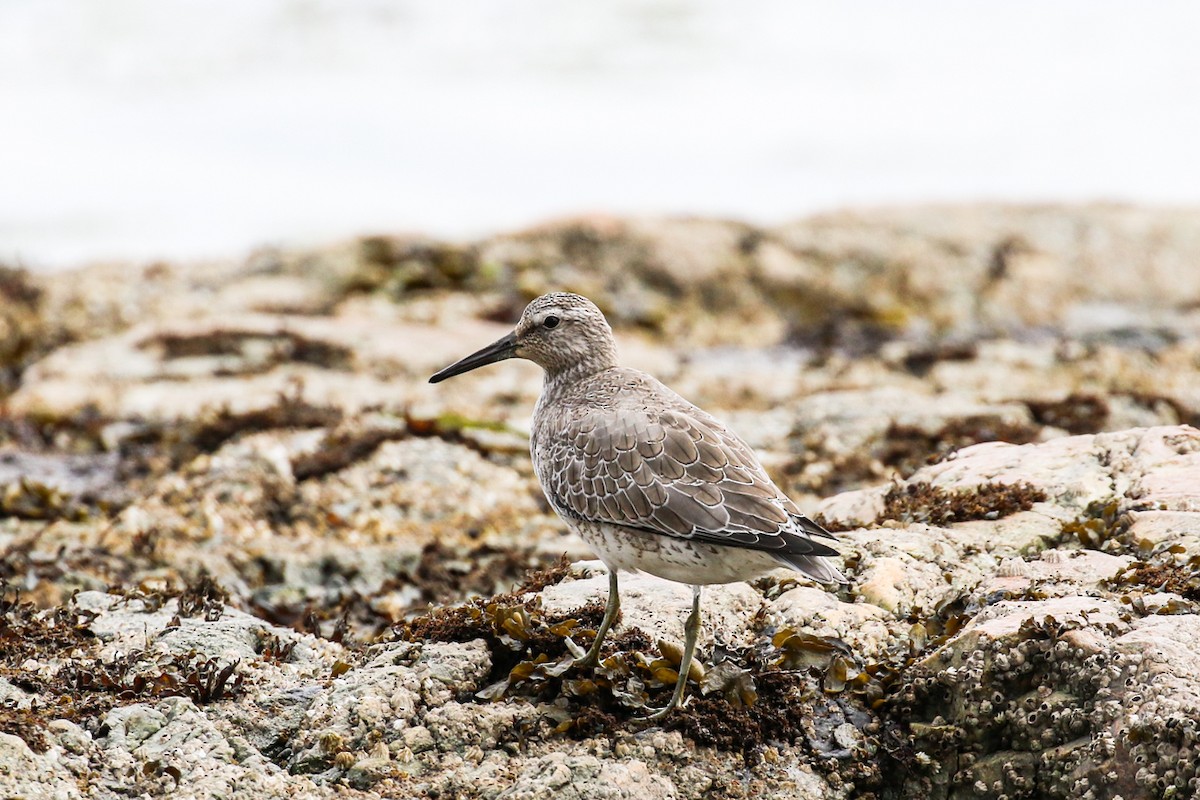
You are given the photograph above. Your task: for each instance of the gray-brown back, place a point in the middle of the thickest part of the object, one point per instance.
(619, 447)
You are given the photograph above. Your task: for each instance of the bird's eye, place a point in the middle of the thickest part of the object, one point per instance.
(551, 321)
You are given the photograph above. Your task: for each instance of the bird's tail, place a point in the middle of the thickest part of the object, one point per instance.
(819, 568)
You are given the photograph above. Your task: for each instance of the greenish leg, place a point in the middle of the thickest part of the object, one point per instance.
(692, 633)
(611, 609)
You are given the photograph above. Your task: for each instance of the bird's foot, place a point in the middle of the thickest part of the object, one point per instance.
(583, 660)
(589, 661)
(659, 714)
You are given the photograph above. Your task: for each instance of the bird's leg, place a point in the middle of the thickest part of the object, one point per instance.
(692, 633)
(611, 609)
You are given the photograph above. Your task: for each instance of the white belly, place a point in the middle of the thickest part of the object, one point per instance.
(681, 560)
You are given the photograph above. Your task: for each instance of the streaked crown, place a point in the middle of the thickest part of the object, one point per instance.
(563, 332)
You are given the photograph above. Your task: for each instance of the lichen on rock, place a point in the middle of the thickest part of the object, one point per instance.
(247, 550)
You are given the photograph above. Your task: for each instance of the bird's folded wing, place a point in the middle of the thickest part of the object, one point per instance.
(673, 474)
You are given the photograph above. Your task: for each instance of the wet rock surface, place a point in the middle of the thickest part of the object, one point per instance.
(247, 551)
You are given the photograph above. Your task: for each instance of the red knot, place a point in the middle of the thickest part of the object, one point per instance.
(650, 481)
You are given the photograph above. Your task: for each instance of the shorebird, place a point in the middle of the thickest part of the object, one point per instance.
(648, 480)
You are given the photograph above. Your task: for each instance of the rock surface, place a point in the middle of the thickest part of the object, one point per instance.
(247, 551)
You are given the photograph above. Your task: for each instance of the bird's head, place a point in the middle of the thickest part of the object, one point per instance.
(560, 332)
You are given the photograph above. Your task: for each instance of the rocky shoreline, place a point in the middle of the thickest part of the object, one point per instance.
(247, 551)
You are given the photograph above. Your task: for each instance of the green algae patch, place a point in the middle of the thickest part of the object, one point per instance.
(450, 424)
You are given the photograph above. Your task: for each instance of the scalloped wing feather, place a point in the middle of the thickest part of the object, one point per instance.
(673, 473)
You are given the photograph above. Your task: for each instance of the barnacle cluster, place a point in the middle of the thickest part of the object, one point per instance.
(1039, 715)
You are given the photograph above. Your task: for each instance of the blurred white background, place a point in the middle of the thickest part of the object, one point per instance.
(192, 128)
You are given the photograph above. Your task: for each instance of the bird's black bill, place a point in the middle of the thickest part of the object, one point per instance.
(496, 351)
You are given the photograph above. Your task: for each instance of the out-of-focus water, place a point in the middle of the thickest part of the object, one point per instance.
(143, 128)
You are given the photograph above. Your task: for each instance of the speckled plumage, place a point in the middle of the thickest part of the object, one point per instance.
(653, 483)
(648, 480)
